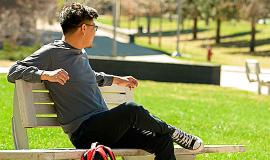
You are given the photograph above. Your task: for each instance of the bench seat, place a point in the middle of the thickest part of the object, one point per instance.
(46, 154)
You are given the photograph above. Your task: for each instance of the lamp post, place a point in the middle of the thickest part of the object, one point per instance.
(116, 9)
(177, 52)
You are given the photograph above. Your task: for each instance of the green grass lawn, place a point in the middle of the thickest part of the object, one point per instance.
(218, 115)
(233, 50)
(15, 53)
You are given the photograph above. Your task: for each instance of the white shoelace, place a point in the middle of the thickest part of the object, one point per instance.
(182, 138)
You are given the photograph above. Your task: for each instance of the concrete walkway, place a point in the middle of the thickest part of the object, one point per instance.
(4, 69)
(235, 77)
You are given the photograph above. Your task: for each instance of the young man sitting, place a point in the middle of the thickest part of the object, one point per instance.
(64, 68)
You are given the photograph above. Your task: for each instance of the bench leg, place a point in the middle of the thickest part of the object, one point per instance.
(19, 132)
(259, 88)
(178, 157)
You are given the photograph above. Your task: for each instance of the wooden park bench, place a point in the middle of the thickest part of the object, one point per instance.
(253, 72)
(33, 108)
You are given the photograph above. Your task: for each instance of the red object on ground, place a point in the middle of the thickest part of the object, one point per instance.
(209, 54)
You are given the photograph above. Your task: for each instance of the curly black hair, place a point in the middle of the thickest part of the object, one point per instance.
(74, 14)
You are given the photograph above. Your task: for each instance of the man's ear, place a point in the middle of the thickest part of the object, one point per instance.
(83, 29)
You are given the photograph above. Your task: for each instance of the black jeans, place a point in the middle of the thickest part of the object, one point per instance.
(127, 126)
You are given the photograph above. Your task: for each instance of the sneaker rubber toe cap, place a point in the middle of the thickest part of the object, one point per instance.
(198, 145)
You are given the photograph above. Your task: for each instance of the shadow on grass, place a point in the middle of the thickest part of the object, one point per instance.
(242, 43)
(265, 53)
(239, 34)
(171, 33)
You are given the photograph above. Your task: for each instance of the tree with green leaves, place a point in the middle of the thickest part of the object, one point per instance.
(148, 9)
(253, 10)
(222, 10)
(192, 9)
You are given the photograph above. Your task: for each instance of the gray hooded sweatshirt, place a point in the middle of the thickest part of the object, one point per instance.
(80, 97)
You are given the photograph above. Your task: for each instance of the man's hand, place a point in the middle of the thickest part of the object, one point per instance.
(127, 81)
(59, 75)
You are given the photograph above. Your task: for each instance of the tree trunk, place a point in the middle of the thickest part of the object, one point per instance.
(182, 24)
(218, 31)
(118, 22)
(149, 28)
(195, 20)
(170, 17)
(253, 34)
(160, 27)
(207, 21)
(138, 21)
(129, 22)
(264, 20)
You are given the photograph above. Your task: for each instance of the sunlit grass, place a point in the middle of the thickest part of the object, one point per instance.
(218, 115)
(233, 50)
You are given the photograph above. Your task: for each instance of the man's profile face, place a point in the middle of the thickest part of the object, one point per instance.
(89, 34)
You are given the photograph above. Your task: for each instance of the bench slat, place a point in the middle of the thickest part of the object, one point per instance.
(114, 98)
(47, 122)
(38, 86)
(105, 89)
(76, 153)
(224, 148)
(113, 89)
(45, 109)
(49, 108)
(42, 97)
(23, 90)
(112, 105)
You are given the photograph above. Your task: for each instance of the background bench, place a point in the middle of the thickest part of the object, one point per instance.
(253, 72)
(33, 107)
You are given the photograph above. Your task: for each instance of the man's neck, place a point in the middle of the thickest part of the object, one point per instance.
(74, 42)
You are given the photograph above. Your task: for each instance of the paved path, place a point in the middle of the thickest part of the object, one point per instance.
(234, 76)
(4, 69)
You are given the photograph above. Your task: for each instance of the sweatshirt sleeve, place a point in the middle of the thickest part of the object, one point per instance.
(103, 79)
(31, 68)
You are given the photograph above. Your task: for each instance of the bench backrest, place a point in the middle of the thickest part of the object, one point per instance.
(37, 109)
(253, 70)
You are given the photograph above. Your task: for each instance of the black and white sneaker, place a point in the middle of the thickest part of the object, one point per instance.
(187, 141)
